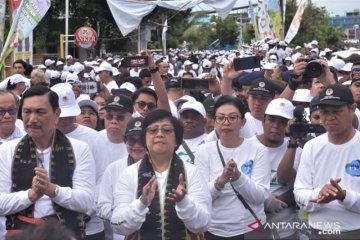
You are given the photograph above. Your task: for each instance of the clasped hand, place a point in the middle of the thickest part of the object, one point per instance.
(41, 185)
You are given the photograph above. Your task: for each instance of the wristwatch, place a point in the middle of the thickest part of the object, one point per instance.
(154, 70)
(291, 145)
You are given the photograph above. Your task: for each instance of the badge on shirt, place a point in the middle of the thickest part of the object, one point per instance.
(353, 168)
(246, 168)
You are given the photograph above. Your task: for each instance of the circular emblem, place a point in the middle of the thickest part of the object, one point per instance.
(65, 99)
(116, 99)
(137, 124)
(329, 91)
(85, 37)
(261, 84)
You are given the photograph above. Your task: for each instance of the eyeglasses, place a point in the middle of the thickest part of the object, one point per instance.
(118, 118)
(155, 130)
(230, 119)
(142, 105)
(11, 111)
(131, 141)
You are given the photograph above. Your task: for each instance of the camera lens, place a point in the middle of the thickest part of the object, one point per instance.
(313, 69)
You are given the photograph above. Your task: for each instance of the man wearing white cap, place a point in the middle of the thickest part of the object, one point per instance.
(105, 73)
(67, 125)
(69, 61)
(280, 205)
(187, 68)
(50, 65)
(193, 117)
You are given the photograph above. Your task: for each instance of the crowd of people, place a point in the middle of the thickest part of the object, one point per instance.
(117, 152)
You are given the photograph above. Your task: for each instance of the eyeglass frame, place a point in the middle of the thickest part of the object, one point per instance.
(11, 111)
(164, 130)
(227, 118)
(146, 104)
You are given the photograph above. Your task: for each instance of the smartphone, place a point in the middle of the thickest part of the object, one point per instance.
(247, 63)
(90, 87)
(195, 83)
(136, 61)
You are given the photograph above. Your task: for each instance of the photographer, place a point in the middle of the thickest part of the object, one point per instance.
(300, 75)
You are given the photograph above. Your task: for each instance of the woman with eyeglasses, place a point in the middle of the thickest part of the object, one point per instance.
(233, 161)
(161, 197)
(136, 152)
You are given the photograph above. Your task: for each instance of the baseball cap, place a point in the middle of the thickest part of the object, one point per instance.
(41, 66)
(173, 83)
(115, 71)
(128, 86)
(280, 107)
(184, 98)
(84, 101)
(335, 95)
(58, 63)
(69, 57)
(302, 95)
(49, 62)
(270, 66)
(313, 106)
(72, 78)
(337, 63)
(67, 101)
(105, 66)
(206, 64)
(17, 78)
(120, 102)
(134, 126)
(54, 74)
(193, 105)
(263, 87)
(209, 104)
(297, 47)
(187, 63)
(77, 68)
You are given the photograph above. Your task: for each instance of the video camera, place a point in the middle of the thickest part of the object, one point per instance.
(300, 128)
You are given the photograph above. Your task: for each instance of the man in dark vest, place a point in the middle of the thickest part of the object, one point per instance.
(45, 176)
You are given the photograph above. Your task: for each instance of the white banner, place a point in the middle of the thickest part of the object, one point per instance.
(129, 13)
(264, 23)
(295, 24)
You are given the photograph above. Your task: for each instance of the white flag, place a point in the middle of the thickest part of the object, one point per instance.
(295, 24)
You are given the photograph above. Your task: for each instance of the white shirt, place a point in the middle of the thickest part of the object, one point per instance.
(193, 144)
(194, 210)
(79, 198)
(253, 185)
(320, 161)
(101, 158)
(252, 127)
(115, 150)
(17, 133)
(105, 203)
(111, 85)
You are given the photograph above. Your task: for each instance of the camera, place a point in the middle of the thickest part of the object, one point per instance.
(247, 63)
(188, 83)
(300, 128)
(313, 68)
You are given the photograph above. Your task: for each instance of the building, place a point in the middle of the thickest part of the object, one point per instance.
(350, 23)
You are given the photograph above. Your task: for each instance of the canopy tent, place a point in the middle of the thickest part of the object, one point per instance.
(129, 13)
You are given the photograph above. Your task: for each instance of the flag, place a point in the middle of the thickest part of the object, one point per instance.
(295, 24)
(252, 15)
(264, 22)
(274, 10)
(27, 16)
(2, 21)
(163, 36)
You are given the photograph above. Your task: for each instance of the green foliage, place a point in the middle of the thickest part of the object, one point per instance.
(227, 30)
(249, 33)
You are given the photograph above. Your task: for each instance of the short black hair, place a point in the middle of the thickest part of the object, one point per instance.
(22, 62)
(230, 100)
(144, 73)
(40, 90)
(144, 90)
(161, 114)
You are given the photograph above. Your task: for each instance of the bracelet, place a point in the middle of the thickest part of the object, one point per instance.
(154, 70)
(291, 145)
(216, 185)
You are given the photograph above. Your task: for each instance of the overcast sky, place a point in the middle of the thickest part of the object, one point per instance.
(338, 7)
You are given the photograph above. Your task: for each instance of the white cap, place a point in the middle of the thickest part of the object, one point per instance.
(72, 78)
(109, 59)
(282, 43)
(193, 105)
(67, 101)
(347, 67)
(105, 66)
(54, 74)
(297, 47)
(41, 66)
(272, 56)
(206, 64)
(184, 98)
(326, 50)
(69, 57)
(288, 59)
(88, 64)
(302, 95)
(270, 66)
(84, 100)
(115, 71)
(187, 63)
(128, 86)
(58, 63)
(17, 78)
(77, 68)
(337, 63)
(280, 107)
(314, 42)
(64, 76)
(49, 62)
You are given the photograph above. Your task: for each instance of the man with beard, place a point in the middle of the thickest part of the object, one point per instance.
(193, 117)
